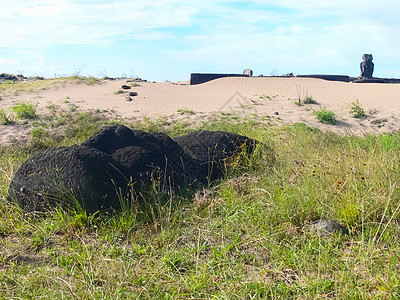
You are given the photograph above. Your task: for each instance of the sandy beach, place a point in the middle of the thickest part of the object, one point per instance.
(270, 98)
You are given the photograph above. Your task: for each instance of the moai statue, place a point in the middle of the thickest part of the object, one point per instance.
(248, 72)
(367, 66)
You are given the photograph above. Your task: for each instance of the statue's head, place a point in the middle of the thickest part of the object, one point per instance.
(367, 57)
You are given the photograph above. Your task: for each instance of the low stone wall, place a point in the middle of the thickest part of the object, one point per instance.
(343, 78)
(197, 78)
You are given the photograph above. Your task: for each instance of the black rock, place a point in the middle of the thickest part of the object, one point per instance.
(213, 148)
(125, 87)
(145, 152)
(102, 169)
(133, 94)
(65, 175)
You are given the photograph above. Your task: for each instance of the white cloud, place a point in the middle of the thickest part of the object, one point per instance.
(5, 61)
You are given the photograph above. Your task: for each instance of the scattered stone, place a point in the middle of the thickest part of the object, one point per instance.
(276, 113)
(127, 98)
(133, 94)
(248, 72)
(367, 66)
(327, 228)
(125, 87)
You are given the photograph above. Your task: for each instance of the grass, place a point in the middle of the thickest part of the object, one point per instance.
(309, 100)
(25, 110)
(29, 87)
(183, 111)
(7, 118)
(356, 111)
(242, 237)
(326, 116)
(306, 100)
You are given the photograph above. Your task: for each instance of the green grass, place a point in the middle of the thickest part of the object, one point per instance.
(326, 116)
(242, 237)
(356, 111)
(25, 110)
(7, 118)
(29, 87)
(309, 100)
(183, 111)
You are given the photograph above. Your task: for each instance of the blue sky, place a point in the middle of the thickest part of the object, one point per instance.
(167, 40)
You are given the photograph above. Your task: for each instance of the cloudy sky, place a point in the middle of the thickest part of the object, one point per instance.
(169, 39)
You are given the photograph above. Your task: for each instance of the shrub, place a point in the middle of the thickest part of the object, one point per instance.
(309, 100)
(7, 119)
(326, 116)
(356, 111)
(25, 110)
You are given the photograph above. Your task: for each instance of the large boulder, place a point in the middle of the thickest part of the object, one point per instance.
(68, 175)
(102, 170)
(213, 148)
(144, 153)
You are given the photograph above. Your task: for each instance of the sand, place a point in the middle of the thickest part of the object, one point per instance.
(268, 97)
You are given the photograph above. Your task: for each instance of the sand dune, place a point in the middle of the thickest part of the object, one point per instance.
(262, 96)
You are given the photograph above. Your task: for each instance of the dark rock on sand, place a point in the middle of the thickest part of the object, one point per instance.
(125, 87)
(133, 94)
(56, 176)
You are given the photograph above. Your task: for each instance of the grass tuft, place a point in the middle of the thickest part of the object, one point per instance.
(326, 116)
(356, 111)
(25, 110)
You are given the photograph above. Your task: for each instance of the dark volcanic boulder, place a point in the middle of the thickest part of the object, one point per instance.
(102, 169)
(146, 152)
(58, 176)
(213, 148)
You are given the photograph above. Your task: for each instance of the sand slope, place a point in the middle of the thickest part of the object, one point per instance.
(263, 96)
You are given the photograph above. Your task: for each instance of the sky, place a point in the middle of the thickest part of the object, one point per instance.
(163, 40)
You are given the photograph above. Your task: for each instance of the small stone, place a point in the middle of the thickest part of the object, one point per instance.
(129, 99)
(133, 94)
(276, 113)
(327, 228)
(125, 87)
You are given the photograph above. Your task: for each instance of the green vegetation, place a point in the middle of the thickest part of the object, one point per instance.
(325, 116)
(119, 92)
(356, 111)
(25, 110)
(187, 111)
(242, 237)
(6, 118)
(16, 88)
(306, 100)
(309, 100)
